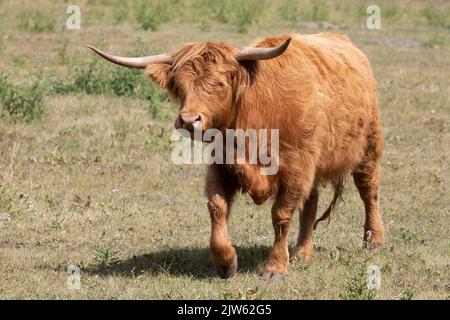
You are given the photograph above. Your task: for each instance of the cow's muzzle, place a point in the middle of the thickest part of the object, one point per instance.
(190, 121)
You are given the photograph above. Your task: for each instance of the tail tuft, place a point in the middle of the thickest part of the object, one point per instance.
(338, 191)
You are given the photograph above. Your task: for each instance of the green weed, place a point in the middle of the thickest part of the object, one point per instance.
(407, 294)
(435, 18)
(105, 257)
(36, 21)
(151, 15)
(356, 287)
(22, 102)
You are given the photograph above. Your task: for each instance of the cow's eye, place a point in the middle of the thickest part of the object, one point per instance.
(177, 91)
(220, 85)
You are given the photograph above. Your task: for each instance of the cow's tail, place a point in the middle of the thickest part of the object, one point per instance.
(338, 191)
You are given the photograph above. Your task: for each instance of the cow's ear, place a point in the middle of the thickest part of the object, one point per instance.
(159, 73)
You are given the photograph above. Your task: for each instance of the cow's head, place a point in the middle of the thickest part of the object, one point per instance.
(207, 78)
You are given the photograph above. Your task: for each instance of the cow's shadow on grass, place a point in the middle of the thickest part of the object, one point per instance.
(194, 262)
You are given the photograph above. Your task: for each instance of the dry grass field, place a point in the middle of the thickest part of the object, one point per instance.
(86, 177)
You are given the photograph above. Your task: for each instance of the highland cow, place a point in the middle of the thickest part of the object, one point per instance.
(318, 91)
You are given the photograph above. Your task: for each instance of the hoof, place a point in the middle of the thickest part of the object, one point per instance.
(302, 257)
(371, 242)
(227, 271)
(270, 276)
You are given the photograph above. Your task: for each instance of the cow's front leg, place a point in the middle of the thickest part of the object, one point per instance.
(220, 189)
(292, 195)
(304, 249)
(278, 263)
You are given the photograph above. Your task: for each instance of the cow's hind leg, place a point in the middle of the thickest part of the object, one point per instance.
(304, 249)
(367, 181)
(220, 189)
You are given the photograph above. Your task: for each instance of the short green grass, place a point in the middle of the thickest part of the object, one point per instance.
(86, 177)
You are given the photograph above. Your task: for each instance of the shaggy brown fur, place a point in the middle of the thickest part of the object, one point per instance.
(321, 95)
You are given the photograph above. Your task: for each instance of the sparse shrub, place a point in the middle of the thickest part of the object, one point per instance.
(151, 15)
(407, 294)
(361, 10)
(57, 223)
(244, 19)
(101, 77)
(204, 26)
(22, 103)
(155, 109)
(62, 51)
(246, 14)
(1, 39)
(36, 21)
(158, 140)
(121, 12)
(356, 287)
(97, 80)
(71, 145)
(12, 200)
(319, 11)
(220, 13)
(18, 60)
(130, 82)
(126, 82)
(105, 257)
(391, 12)
(91, 80)
(436, 40)
(253, 294)
(58, 86)
(408, 235)
(289, 11)
(156, 98)
(435, 17)
(121, 128)
(316, 10)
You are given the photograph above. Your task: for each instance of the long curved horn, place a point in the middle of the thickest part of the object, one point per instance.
(253, 53)
(138, 62)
